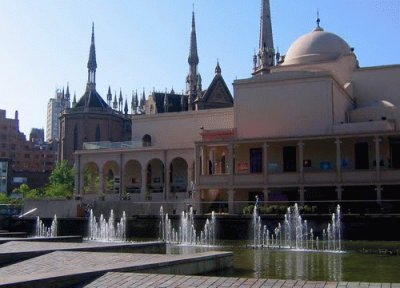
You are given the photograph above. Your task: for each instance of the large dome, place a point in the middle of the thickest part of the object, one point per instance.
(317, 46)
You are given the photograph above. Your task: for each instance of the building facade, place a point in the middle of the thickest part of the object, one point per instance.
(310, 126)
(54, 108)
(28, 161)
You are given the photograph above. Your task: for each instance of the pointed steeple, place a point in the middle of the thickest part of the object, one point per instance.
(120, 100)
(143, 100)
(92, 64)
(74, 101)
(126, 107)
(193, 58)
(266, 52)
(166, 102)
(115, 103)
(218, 69)
(67, 98)
(193, 79)
(109, 96)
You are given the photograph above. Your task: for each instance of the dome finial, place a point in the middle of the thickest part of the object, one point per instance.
(318, 28)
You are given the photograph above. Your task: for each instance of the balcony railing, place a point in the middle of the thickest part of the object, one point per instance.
(112, 145)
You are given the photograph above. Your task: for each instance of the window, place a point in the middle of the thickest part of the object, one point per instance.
(256, 160)
(76, 137)
(289, 159)
(146, 140)
(97, 133)
(361, 155)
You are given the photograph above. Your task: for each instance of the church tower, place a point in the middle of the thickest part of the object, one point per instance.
(91, 119)
(193, 79)
(265, 58)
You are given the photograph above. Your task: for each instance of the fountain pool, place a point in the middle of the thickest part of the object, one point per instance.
(41, 230)
(107, 230)
(295, 234)
(362, 262)
(186, 233)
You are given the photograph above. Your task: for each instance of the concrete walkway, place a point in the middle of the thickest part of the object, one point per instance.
(15, 251)
(136, 280)
(68, 268)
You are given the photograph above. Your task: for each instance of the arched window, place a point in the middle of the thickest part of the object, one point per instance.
(97, 137)
(146, 140)
(75, 137)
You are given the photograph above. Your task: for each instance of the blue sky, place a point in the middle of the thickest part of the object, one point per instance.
(144, 44)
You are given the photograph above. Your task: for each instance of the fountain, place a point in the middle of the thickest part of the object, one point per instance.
(294, 233)
(104, 230)
(186, 233)
(44, 231)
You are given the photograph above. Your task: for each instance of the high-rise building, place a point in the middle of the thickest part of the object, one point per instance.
(54, 108)
(28, 161)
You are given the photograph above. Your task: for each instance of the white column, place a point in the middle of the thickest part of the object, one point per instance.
(377, 141)
(339, 191)
(144, 185)
(190, 180)
(197, 163)
(378, 190)
(301, 195)
(121, 176)
(166, 176)
(301, 160)
(265, 163)
(101, 181)
(265, 191)
(231, 199)
(166, 182)
(338, 160)
(231, 169)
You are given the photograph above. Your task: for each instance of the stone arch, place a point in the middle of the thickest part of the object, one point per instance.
(178, 175)
(154, 179)
(133, 177)
(91, 180)
(111, 177)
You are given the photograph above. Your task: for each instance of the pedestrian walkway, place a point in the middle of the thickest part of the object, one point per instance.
(136, 280)
(15, 251)
(68, 268)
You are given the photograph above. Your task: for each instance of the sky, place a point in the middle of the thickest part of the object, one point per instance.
(144, 44)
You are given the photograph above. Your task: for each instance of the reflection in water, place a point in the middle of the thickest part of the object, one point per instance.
(296, 264)
(304, 265)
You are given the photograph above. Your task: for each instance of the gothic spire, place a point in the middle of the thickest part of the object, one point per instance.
(193, 58)
(109, 96)
(218, 69)
(92, 64)
(266, 52)
(193, 79)
(126, 107)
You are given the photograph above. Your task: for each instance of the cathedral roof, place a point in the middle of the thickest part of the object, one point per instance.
(92, 99)
(218, 92)
(174, 102)
(317, 46)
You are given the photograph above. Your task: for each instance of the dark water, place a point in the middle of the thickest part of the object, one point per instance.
(361, 261)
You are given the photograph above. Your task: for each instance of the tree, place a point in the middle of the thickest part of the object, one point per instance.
(28, 192)
(63, 174)
(61, 181)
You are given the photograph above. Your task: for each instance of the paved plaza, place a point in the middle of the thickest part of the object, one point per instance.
(136, 280)
(65, 268)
